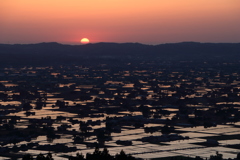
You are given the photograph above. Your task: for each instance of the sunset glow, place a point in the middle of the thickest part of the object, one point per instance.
(154, 22)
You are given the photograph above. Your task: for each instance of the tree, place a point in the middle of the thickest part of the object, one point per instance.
(40, 157)
(238, 156)
(216, 157)
(27, 157)
(105, 155)
(78, 157)
(123, 156)
(198, 158)
(49, 156)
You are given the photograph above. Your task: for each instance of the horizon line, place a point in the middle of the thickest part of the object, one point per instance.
(119, 43)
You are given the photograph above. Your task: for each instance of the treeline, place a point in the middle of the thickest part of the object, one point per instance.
(104, 155)
(96, 155)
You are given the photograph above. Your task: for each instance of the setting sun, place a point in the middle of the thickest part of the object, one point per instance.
(85, 41)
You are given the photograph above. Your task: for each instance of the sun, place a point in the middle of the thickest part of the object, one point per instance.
(85, 41)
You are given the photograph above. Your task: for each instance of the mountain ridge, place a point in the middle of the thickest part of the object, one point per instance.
(47, 52)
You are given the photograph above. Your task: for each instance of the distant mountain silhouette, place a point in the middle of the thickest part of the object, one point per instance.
(55, 53)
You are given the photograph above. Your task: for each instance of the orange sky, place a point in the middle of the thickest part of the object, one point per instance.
(149, 22)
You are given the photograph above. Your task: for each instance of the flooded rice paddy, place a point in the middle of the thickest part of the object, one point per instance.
(149, 112)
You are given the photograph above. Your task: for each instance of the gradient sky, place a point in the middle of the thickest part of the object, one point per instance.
(143, 21)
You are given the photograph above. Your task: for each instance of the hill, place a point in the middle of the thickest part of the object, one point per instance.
(55, 53)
